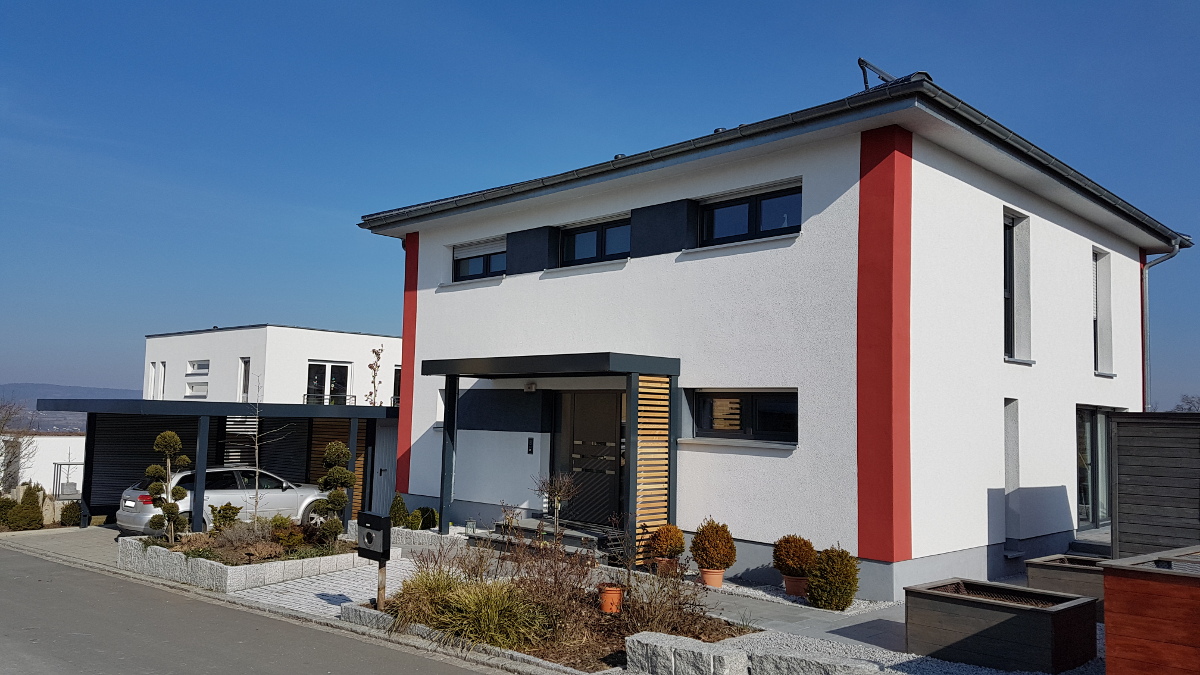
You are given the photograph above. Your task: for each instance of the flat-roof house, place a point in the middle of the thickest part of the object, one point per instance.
(887, 323)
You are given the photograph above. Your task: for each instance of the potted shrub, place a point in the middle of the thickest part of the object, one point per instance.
(665, 545)
(611, 597)
(714, 551)
(794, 556)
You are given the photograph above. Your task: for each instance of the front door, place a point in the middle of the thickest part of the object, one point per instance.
(590, 447)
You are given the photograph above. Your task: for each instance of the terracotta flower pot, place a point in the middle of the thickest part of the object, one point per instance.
(712, 578)
(611, 596)
(666, 566)
(795, 586)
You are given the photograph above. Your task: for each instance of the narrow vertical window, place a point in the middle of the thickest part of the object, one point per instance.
(1102, 351)
(1017, 334)
(245, 393)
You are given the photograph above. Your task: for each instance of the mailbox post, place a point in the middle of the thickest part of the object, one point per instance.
(375, 543)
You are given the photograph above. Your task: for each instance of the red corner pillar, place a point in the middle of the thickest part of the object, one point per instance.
(408, 364)
(884, 286)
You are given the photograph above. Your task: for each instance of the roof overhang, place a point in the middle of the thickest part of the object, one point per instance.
(914, 102)
(135, 406)
(552, 365)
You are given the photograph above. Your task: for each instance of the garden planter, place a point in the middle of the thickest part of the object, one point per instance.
(1069, 574)
(1000, 626)
(1153, 612)
(797, 586)
(666, 566)
(611, 596)
(712, 578)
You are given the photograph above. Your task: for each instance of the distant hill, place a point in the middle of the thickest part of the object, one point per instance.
(27, 394)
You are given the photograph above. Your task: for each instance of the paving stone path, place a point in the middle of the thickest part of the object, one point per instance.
(324, 594)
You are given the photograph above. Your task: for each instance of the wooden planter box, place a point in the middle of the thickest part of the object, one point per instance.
(1075, 574)
(1003, 631)
(1153, 613)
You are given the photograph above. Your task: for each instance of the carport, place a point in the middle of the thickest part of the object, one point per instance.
(292, 438)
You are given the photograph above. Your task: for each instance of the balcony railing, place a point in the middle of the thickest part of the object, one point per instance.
(333, 399)
(395, 401)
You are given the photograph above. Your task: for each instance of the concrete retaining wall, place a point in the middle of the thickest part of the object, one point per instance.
(156, 561)
(405, 537)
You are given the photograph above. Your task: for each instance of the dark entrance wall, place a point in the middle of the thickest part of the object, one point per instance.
(1156, 459)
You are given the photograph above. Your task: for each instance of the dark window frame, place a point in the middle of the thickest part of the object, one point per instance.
(601, 230)
(749, 417)
(488, 268)
(754, 223)
(1010, 284)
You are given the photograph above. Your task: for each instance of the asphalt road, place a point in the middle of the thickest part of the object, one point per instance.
(60, 620)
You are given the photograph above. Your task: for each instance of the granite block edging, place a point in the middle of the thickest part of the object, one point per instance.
(365, 616)
(405, 537)
(661, 654)
(156, 561)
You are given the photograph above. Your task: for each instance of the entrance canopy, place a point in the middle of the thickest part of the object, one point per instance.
(553, 365)
(648, 448)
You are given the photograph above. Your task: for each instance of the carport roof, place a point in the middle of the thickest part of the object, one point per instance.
(552, 365)
(134, 406)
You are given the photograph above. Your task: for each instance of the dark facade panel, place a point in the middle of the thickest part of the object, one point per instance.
(664, 228)
(546, 365)
(1156, 489)
(283, 447)
(505, 410)
(135, 406)
(532, 250)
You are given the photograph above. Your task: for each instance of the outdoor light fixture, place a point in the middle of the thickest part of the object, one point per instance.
(530, 387)
(470, 526)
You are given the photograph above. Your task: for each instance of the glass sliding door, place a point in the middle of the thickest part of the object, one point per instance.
(1092, 460)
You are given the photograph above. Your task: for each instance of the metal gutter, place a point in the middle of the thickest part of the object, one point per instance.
(1146, 315)
(918, 84)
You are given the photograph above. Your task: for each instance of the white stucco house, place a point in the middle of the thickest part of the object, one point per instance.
(271, 364)
(887, 323)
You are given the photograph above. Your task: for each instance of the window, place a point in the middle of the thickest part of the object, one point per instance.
(198, 367)
(265, 480)
(1016, 289)
(197, 389)
(328, 383)
(605, 241)
(244, 394)
(765, 215)
(1010, 226)
(747, 415)
(396, 387)
(480, 266)
(220, 480)
(1102, 354)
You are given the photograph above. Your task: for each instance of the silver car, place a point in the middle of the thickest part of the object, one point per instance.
(234, 485)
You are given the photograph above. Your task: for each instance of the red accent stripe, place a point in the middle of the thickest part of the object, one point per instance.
(412, 249)
(884, 290)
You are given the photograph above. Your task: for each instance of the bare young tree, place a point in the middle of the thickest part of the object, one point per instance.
(373, 396)
(254, 438)
(17, 444)
(1188, 403)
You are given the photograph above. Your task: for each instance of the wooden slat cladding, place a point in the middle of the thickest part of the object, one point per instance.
(1157, 482)
(653, 457)
(1152, 622)
(327, 430)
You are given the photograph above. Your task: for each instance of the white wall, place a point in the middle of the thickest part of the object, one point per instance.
(50, 449)
(769, 314)
(279, 359)
(959, 377)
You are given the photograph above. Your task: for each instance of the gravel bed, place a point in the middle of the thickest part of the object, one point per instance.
(776, 594)
(891, 662)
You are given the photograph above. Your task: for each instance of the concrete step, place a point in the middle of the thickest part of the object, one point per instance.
(1090, 548)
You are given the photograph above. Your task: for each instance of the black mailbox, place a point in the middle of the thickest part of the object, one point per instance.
(374, 536)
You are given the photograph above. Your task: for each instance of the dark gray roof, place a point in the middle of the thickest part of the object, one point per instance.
(915, 85)
(550, 365)
(137, 406)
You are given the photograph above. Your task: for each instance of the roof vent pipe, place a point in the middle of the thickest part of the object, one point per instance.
(865, 65)
(1146, 318)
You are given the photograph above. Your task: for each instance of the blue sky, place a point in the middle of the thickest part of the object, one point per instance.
(171, 166)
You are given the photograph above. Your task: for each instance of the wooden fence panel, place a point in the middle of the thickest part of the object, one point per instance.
(1156, 484)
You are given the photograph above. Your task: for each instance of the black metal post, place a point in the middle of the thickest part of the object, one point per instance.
(676, 411)
(631, 483)
(201, 474)
(353, 443)
(89, 454)
(449, 437)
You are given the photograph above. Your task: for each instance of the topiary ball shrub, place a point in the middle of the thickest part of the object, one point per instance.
(70, 514)
(224, 516)
(794, 556)
(330, 529)
(429, 518)
(399, 511)
(414, 520)
(833, 579)
(665, 542)
(713, 547)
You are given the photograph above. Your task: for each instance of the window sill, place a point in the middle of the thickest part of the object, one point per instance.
(1019, 362)
(598, 266)
(782, 446)
(1107, 376)
(468, 283)
(737, 244)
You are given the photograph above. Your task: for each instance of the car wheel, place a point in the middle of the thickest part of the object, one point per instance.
(310, 517)
(187, 515)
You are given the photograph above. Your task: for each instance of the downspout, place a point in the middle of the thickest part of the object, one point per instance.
(1146, 319)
